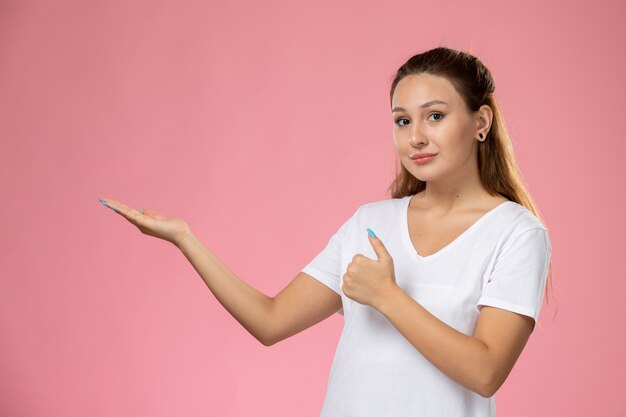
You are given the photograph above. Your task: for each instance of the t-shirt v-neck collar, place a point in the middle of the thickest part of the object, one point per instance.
(406, 237)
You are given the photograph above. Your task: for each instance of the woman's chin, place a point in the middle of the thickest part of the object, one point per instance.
(422, 176)
(422, 173)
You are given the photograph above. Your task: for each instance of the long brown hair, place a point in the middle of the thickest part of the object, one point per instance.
(497, 165)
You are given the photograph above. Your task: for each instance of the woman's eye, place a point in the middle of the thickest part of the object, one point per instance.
(401, 121)
(437, 114)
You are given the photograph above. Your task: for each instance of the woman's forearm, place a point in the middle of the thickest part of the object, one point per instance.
(250, 307)
(462, 358)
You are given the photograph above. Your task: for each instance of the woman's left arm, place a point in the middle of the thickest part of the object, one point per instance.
(480, 362)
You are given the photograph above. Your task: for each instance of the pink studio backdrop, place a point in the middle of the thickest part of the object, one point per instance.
(264, 125)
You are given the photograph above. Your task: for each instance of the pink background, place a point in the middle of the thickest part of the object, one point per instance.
(264, 125)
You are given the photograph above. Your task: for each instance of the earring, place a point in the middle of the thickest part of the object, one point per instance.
(481, 137)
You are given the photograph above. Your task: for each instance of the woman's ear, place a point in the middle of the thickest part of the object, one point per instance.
(484, 118)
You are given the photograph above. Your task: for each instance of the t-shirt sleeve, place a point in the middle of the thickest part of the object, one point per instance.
(518, 279)
(326, 265)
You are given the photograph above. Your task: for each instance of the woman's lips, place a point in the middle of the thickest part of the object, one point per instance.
(424, 160)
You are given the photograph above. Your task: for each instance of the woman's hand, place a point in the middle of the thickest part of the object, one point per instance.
(149, 222)
(369, 281)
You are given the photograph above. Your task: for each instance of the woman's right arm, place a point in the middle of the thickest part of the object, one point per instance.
(302, 303)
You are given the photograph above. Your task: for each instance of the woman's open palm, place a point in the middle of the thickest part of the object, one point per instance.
(150, 222)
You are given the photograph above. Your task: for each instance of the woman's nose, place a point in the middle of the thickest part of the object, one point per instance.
(416, 136)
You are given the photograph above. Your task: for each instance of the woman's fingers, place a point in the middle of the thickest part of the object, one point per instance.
(149, 222)
(106, 204)
(132, 215)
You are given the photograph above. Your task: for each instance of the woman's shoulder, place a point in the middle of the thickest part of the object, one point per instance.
(380, 211)
(517, 216)
(382, 207)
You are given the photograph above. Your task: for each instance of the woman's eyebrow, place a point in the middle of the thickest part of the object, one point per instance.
(428, 103)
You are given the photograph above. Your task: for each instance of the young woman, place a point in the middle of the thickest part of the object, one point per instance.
(440, 286)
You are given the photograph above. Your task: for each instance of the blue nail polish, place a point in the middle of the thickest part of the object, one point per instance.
(371, 232)
(106, 205)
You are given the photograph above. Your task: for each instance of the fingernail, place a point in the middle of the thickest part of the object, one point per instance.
(106, 205)
(371, 232)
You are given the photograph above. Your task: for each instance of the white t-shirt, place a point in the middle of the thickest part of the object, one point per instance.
(501, 260)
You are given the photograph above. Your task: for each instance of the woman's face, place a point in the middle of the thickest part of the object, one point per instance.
(430, 117)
